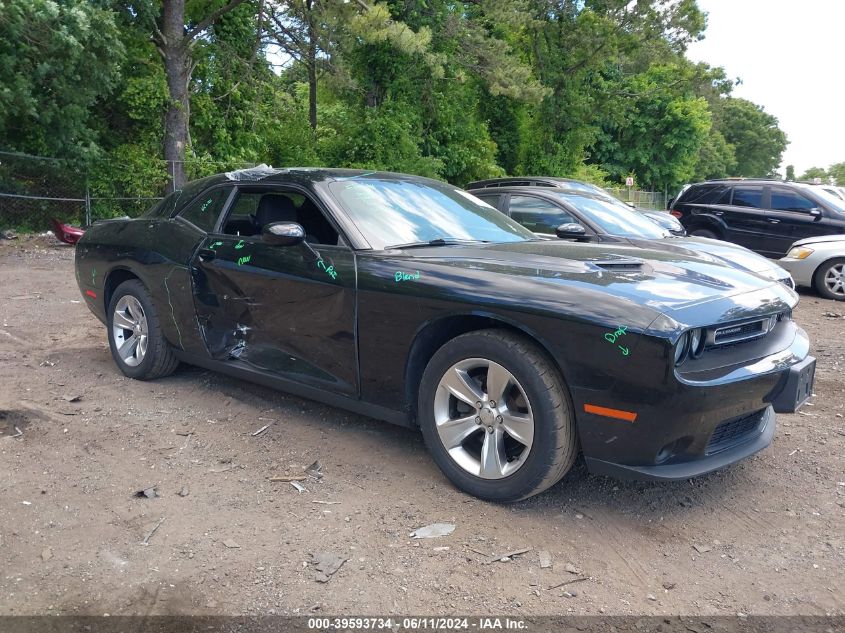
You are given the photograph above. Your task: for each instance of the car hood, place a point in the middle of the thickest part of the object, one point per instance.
(670, 283)
(716, 250)
(820, 239)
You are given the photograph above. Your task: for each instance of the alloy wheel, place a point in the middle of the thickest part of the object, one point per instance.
(130, 330)
(483, 418)
(834, 279)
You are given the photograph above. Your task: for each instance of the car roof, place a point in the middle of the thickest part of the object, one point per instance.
(266, 174)
(553, 193)
(550, 181)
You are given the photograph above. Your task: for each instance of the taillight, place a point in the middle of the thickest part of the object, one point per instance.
(677, 214)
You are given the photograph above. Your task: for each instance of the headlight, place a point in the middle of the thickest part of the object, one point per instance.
(799, 252)
(681, 348)
(696, 342)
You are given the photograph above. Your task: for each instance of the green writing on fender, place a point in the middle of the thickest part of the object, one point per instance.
(244, 260)
(611, 337)
(400, 276)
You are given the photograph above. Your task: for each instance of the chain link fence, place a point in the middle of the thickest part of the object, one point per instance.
(34, 189)
(654, 200)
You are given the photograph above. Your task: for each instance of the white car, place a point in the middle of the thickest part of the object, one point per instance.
(818, 262)
(839, 192)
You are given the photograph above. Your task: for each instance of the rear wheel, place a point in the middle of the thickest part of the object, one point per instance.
(829, 279)
(137, 343)
(705, 233)
(496, 416)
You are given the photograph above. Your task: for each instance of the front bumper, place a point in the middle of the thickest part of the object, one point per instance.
(688, 427)
(757, 440)
(800, 269)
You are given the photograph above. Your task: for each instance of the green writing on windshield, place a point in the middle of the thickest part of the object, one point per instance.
(205, 205)
(240, 244)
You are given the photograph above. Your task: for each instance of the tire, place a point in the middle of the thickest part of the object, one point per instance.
(151, 356)
(705, 233)
(829, 279)
(534, 395)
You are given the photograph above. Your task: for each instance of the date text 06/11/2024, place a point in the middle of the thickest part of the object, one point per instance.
(417, 624)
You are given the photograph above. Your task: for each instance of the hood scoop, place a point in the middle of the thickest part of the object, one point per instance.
(620, 265)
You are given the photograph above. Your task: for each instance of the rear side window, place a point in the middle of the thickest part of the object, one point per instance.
(538, 215)
(748, 197)
(204, 211)
(491, 199)
(707, 194)
(786, 200)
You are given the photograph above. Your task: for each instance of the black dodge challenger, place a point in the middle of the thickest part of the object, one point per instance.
(409, 300)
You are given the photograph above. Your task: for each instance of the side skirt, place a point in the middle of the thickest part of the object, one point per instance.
(297, 389)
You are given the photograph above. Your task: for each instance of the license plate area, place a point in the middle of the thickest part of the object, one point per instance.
(798, 387)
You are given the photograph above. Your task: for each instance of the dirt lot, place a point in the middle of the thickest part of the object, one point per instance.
(763, 537)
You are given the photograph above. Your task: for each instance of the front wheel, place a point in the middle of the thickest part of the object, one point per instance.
(829, 279)
(496, 416)
(137, 343)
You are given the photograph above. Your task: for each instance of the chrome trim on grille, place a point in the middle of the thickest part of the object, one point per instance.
(738, 332)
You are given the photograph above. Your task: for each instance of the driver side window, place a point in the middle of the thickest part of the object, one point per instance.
(538, 215)
(253, 210)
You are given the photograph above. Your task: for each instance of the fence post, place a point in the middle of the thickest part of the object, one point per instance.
(87, 207)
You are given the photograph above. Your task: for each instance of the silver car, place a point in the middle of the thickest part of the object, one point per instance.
(818, 262)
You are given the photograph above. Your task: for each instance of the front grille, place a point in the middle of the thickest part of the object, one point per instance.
(734, 432)
(734, 333)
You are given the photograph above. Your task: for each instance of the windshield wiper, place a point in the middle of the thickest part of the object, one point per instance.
(437, 241)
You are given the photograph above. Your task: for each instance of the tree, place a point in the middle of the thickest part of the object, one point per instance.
(790, 172)
(175, 34)
(758, 141)
(815, 172)
(660, 136)
(57, 61)
(837, 172)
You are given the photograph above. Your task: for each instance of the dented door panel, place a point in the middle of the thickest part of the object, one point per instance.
(286, 311)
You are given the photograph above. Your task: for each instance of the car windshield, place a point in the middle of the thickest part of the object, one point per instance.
(392, 212)
(615, 218)
(830, 199)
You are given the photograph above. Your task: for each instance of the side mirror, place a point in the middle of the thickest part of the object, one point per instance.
(570, 231)
(816, 212)
(283, 234)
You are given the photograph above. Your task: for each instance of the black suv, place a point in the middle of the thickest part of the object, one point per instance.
(766, 216)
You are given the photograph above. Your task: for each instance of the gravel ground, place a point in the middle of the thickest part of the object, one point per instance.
(78, 441)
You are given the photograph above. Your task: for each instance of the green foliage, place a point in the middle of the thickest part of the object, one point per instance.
(758, 141)
(790, 172)
(815, 172)
(57, 59)
(595, 89)
(837, 172)
(716, 157)
(661, 134)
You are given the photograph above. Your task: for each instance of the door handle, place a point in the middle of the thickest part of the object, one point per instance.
(772, 221)
(718, 213)
(206, 254)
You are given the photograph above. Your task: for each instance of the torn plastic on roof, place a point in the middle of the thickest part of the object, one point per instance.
(259, 172)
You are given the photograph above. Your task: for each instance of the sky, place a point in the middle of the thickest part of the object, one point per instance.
(789, 57)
